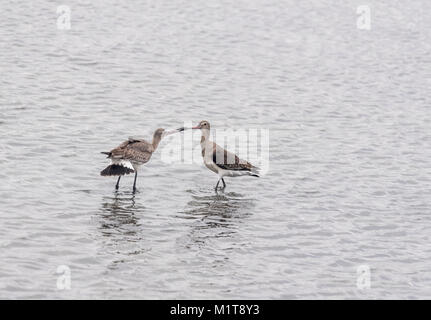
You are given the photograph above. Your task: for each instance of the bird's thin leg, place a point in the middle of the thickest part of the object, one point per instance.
(224, 184)
(217, 184)
(118, 183)
(134, 183)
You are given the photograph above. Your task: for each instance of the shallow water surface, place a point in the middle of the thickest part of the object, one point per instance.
(349, 180)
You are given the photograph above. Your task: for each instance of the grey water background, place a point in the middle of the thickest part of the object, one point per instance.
(349, 178)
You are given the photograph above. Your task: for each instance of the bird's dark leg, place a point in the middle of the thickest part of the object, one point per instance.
(134, 183)
(118, 183)
(224, 184)
(217, 185)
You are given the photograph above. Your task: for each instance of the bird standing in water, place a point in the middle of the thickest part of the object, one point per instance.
(131, 154)
(221, 161)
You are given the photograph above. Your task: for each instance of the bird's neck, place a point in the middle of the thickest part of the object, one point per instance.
(156, 141)
(206, 144)
(205, 136)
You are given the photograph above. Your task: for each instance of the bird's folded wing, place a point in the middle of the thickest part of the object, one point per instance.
(228, 160)
(118, 152)
(135, 139)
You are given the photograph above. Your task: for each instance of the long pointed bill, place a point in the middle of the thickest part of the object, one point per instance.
(187, 128)
(169, 132)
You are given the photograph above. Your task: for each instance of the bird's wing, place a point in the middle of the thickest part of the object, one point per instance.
(139, 151)
(228, 160)
(118, 152)
(135, 139)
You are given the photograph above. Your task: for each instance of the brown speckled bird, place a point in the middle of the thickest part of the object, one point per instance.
(131, 154)
(221, 161)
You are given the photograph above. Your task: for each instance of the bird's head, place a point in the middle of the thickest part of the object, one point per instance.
(159, 133)
(203, 125)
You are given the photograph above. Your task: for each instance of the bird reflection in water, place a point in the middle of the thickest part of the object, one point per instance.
(119, 224)
(215, 216)
(118, 214)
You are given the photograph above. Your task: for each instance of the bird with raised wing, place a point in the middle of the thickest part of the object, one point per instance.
(221, 161)
(131, 154)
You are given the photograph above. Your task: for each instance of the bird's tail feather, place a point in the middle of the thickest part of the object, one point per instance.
(255, 171)
(115, 170)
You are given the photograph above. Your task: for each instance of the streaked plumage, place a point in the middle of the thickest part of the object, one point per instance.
(131, 154)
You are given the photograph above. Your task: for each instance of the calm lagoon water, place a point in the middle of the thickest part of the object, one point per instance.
(349, 180)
